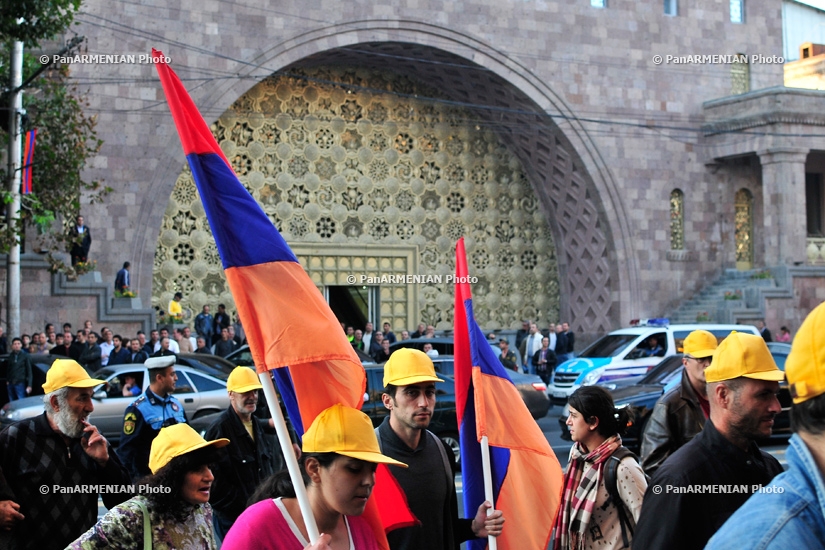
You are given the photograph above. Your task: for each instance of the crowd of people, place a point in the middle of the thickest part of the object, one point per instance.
(701, 480)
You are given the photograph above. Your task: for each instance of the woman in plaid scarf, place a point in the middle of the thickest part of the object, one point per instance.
(587, 516)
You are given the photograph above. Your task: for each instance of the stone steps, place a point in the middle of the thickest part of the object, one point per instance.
(710, 305)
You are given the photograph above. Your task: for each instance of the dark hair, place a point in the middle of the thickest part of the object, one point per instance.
(390, 390)
(809, 416)
(785, 329)
(153, 373)
(178, 295)
(141, 332)
(596, 402)
(279, 484)
(16, 339)
(118, 336)
(172, 477)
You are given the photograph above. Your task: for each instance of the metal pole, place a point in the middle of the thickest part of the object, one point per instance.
(492, 544)
(289, 457)
(15, 161)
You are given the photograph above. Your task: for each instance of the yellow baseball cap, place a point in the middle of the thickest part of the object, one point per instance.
(177, 440)
(409, 366)
(805, 365)
(743, 355)
(242, 380)
(67, 373)
(699, 344)
(345, 431)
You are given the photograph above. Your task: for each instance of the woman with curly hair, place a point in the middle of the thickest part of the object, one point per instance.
(172, 511)
(340, 455)
(589, 517)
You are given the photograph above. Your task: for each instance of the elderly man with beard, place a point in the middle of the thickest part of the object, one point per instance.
(704, 482)
(59, 449)
(251, 456)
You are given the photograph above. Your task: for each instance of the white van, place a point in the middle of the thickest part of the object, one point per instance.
(626, 353)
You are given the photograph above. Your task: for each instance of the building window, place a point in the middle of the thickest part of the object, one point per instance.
(740, 75)
(737, 11)
(677, 220)
(814, 204)
(743, 229)
(671, 7)
(598, 3)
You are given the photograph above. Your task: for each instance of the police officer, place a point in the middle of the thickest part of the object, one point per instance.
(144, 418)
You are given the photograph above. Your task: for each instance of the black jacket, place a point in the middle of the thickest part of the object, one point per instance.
(721, 477)
(90, 357)
(675, 420)
(244, 465)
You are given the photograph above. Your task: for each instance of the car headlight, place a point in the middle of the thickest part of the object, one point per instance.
(593, 377)
(12, 416)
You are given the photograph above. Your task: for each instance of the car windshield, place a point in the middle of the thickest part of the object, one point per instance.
(609, 346)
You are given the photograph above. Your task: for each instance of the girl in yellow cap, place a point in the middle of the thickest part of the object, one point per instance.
(171, 510)
(340, 454)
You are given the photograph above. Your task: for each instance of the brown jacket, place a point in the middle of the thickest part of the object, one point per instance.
(676, 419)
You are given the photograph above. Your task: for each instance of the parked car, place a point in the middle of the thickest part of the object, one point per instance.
(41, 363)
(444, 346)
(210, 364)
(532, 389)
(642, 396)
(200, 393)
(622, 354)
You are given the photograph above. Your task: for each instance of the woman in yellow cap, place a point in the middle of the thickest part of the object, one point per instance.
(340, 455)
(171, 511)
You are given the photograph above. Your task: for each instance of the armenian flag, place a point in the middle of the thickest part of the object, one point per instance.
(289, 326)
(526, 475)
(28, 161)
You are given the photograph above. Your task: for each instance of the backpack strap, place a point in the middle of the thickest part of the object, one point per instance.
(448, 469)
(147, 525)
(611, 478)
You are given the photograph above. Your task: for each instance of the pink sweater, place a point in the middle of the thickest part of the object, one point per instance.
(266, 526)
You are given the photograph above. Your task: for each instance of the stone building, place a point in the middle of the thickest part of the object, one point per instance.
(606, 161)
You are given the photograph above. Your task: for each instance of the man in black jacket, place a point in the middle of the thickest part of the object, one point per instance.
(252, 454)
(702, 484)
(90, 358)
(680, 414)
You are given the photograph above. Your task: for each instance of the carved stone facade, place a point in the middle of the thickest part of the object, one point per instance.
(354, 164)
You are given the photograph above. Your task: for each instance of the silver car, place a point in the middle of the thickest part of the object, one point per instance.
(200, 393)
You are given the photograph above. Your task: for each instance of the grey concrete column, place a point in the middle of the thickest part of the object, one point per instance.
(784, 228)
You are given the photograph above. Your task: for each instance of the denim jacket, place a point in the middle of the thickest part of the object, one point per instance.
(789, 514)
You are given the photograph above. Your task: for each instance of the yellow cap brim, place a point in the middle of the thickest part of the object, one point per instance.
(702, 353)
(409, 380)
(85, 383)
(217, 443)
(376, 458)
(244, 389)
(769, 375)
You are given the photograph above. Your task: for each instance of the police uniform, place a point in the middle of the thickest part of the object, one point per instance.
(141, 423)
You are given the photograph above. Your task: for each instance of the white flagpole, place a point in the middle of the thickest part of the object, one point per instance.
(289, 456)
(488, 485)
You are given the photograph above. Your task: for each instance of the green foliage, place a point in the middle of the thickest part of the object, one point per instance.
(66, 137)
(42, 19)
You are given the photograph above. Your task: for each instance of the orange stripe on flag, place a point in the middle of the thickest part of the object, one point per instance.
(495, 418)
(522, 502)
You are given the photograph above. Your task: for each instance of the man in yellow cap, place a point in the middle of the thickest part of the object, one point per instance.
(790, 512)
(680, 413)
(409, 394)
(253, 454)
(702, 484)
(47, 457)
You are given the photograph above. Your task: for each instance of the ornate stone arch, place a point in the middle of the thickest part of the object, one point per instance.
(598, 271)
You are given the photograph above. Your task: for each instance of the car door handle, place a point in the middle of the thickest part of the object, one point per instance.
(188, 400)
